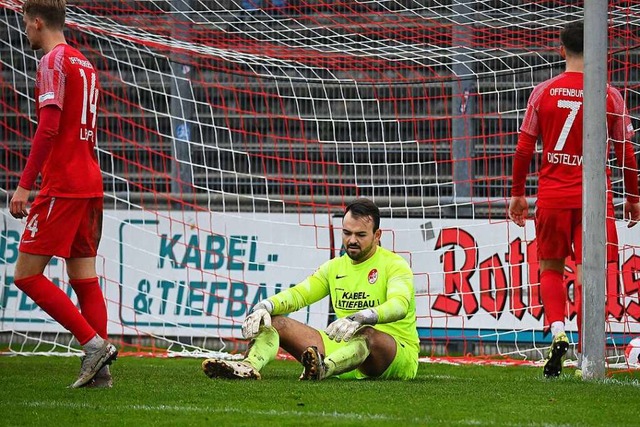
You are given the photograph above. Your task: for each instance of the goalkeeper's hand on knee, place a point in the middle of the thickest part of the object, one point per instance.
(260, 315)
(344, 328)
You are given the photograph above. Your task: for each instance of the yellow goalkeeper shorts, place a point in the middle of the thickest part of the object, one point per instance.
(403, 367)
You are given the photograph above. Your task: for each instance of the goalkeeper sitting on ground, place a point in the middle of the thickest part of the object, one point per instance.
(373, 297)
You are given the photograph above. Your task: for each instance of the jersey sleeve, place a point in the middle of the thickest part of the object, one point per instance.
(52, 80)
(310, 290)
(621, 128)
(521, 160)
(41, 146)
(621, 131)
(530, 124)
(400, 292)
(529, 131)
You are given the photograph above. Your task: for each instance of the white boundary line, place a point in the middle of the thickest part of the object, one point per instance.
(272, 413)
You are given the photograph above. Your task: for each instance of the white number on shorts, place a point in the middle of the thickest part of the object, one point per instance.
(32, 225)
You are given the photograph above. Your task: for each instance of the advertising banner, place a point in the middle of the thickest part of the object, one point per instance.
(198, 273)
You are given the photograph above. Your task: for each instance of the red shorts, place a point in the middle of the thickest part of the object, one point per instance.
(64, 227)
(559, 234)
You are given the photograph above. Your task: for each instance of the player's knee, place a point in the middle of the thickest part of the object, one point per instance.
(29, 265)
(367, 333)
(376, 341)
(280, 323)
(25, 272)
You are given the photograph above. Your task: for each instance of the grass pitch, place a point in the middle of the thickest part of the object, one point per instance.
(174, 392)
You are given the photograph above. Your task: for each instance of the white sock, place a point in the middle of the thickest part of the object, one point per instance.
(94, 344)
(556, 328)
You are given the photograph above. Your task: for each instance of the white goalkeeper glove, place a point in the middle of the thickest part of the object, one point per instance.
(260, 315)
(344, 328)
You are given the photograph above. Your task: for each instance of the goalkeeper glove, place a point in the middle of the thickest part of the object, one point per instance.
(344, 328)
(260, 315)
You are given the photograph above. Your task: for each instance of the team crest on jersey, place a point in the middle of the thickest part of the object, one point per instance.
(373, 276)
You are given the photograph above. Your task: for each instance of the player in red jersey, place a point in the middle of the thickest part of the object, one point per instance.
(554, 113)
(65, 219)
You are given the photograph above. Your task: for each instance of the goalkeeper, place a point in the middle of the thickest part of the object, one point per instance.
(372, 293)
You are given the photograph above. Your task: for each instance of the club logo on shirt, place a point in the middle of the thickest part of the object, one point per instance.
(373, 276)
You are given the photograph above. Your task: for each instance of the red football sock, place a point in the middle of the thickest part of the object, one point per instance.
(554, 295)
(92, 303)
(56, 304)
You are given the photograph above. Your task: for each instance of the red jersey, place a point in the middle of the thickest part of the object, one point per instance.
(67, 80)
(554, 112)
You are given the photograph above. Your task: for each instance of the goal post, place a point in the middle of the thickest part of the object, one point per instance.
(594, 190)
(231, 140)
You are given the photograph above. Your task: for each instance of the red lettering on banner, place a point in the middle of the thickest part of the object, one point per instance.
(457, 281)
(535, 302)
(496, 286)
(570, 278)
(615, 308)
(631, 280)
(492, 267)
(515, 259)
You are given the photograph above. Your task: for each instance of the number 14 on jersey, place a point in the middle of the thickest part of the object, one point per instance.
(89, 107)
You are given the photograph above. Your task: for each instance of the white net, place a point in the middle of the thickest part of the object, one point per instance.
(232, 135)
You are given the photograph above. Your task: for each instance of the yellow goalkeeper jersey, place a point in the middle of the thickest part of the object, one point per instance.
(384, 283)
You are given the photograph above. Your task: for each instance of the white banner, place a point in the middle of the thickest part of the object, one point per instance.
(478, 279)
(183, 273)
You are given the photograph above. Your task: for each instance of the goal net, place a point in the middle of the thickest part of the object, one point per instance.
(233, 133)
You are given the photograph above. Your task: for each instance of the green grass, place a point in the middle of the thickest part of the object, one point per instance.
(174, 392)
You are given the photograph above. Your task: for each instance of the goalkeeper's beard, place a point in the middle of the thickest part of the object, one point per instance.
(356, 254)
